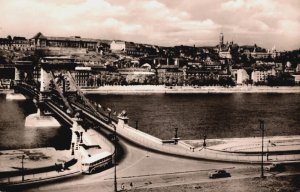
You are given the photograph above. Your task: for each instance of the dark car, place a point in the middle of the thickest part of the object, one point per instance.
(275, 167)
(218, 174)
(112, 137)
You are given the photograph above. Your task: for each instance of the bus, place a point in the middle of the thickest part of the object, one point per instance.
(98, 161)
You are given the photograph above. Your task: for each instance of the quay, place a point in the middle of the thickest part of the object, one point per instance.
(161, 89)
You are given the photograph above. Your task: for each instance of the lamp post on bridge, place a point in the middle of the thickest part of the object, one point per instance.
(204, 138)
(176, 136)
(115, 163)
(23, 156)
(72, 148)
(109, 112)
(262, 128)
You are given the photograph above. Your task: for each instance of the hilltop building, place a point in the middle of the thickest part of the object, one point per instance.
(122, 46)
(40, 40)
(225, 49)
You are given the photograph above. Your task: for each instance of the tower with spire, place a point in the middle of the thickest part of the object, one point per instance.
(221, 42)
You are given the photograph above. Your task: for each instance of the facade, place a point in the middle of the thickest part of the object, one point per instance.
(20, 42)
(169, 74)
(257, 52)
(82, 75)
(14, 43)
(261, 55)
(117, 46)
(23, 70)
(190, 73)
(242, 76)
(39, 40)
(298, 68)
(5, 42)
(225, 54)
(297, 78)
(122, 46)
(261, 76)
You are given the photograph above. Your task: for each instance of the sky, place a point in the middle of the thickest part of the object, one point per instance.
(266, 23)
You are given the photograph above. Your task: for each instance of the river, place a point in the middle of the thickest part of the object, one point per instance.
(213, 115)
(13, 134)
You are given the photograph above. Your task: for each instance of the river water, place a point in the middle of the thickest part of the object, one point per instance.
(13, 134)
(216, 115)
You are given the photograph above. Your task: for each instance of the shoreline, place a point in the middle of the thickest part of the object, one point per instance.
(161, 89)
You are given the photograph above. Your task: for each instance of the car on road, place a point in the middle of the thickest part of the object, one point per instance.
(112, 137)
(218, 174)
(275, 167)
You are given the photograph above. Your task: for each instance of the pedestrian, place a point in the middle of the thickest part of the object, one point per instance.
(122, 186)
(131, 185)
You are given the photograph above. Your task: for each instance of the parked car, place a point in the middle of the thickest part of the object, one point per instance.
(218, 174)
(275, 167)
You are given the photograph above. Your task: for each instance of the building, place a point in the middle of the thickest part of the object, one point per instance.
(23, 70)
(242, 76)
(298, 68)
(121, 46)
(261, 76)
(297, 78)
(15, 42)
(20, 42)
(82, 75)
(40, 40)
(257, 52)
(225, 54)
(117, 46)
(169, 74)
(5, 43)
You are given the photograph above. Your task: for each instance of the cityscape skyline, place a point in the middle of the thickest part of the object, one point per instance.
(160, 22)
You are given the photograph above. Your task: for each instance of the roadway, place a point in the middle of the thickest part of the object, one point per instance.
(149, 169)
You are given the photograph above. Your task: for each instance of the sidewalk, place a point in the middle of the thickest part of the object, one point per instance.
(275, 144)
(11, 162)
(218, 152)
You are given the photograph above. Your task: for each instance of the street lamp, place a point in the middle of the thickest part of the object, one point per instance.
(81, 133)
(23, 156)
(109, 112)
(204, 138)
(176, 136)
(262, 128)
(72, 148)
(115, 164)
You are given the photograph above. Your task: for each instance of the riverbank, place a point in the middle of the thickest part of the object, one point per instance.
(161, 89)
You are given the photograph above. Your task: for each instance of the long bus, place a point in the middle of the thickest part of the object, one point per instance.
(96, 162)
